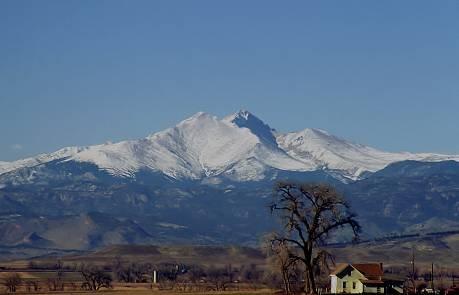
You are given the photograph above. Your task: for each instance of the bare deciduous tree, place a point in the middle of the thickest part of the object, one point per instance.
(283, 262)
(12, 282)
(309, 214)
(57, 283)
(219, 277)
(32, 286)
(94, 278)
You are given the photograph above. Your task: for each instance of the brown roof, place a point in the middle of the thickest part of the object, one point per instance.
(369, 270)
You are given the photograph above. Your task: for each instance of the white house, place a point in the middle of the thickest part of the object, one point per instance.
(363, 278)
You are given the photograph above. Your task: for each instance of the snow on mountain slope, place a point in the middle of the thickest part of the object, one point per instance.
(240, 146)
(199, 146)
(245, 119)
(208, 146)
(40, 159)
(347, 158)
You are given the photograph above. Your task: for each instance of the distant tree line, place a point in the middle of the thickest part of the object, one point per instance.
(170, 276)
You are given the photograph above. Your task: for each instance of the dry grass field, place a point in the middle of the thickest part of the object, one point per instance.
(189, 255)
(144, 291)
(442, 250)
(72, 286)
(150, 292)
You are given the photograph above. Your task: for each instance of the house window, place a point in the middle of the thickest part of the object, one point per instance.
(354, 285)
(344, 285)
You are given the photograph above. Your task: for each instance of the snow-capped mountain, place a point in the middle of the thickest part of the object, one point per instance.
(240, 147)
(345, 158)
(211, 179)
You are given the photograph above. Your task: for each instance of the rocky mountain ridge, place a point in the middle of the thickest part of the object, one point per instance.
(239, 147)
(208, 181)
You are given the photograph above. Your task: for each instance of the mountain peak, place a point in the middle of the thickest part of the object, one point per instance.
(241, 115)
(240, 144)
(199, 115)
(245, 119)
(197, 118)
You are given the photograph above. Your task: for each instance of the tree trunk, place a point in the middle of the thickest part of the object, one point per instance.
(310, 287)
(313, 289)
(286, 282)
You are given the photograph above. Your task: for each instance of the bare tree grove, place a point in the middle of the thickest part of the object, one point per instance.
(12, 282)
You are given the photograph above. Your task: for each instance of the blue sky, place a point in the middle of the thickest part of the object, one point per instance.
(383, 73)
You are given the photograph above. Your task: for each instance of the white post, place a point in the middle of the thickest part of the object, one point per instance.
(155, 277)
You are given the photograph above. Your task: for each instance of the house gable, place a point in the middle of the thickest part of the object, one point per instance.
(353, 278)
(362, 278)
(347, 279)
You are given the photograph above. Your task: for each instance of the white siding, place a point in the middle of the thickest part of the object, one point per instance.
(333, 281)
(353, 285)
(352, 278)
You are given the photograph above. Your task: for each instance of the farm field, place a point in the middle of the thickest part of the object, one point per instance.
(442, 249)
(144, 291)
(204, 269)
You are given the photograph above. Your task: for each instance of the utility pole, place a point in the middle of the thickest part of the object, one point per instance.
(412, 270)
(432, 278)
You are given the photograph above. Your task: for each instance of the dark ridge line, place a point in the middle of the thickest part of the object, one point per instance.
(394, 237)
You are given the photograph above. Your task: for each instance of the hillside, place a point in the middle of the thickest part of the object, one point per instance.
(209, 181)
(440, 248)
